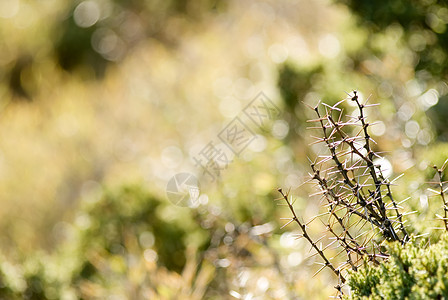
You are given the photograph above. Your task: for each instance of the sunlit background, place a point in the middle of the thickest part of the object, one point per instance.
(103, 101)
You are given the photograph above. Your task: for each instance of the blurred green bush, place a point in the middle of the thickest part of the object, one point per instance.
(423, 22)
(130, 244)
(420, 27)
(114, 245)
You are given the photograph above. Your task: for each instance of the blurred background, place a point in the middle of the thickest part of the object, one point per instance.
(103, 101)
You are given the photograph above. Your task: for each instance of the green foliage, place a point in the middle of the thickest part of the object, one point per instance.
(294, 83)
(424, 23)
(108, 248)
(411, 272)
(79, 46)
(415, 32)
(122, 227)
(131, 212)
(36, 277)
(438, 114)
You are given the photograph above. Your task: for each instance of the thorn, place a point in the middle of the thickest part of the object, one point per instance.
(289, 222)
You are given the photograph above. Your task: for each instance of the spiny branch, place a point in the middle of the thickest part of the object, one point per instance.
(442, 193)
(361, 210)
(305, 234)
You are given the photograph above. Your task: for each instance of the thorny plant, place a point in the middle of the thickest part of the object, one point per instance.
(441, 192)
(361, 212)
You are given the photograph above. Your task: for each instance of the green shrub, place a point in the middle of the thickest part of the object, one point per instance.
(120, 244)
(412, 272)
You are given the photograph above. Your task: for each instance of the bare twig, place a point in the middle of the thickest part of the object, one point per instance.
(305, 234)
(442, 194)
